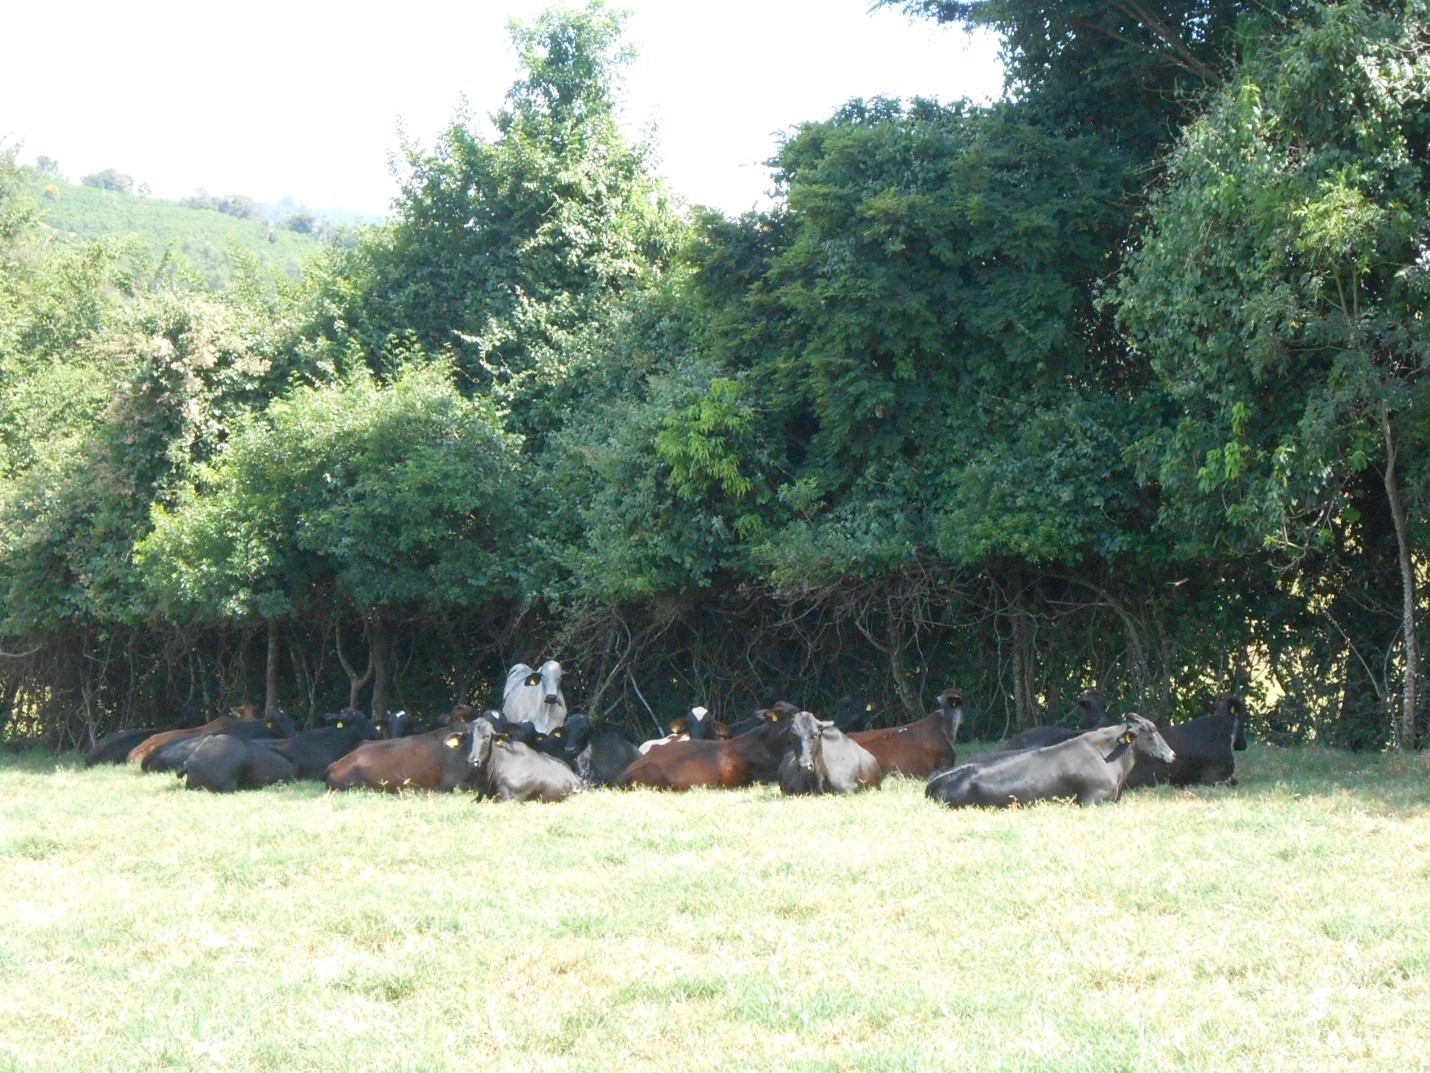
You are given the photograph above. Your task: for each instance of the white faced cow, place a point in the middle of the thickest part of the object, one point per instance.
(534, 696)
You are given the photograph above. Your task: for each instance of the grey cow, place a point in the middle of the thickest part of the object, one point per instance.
(511, 771)
(1092, 767)
(820, 759)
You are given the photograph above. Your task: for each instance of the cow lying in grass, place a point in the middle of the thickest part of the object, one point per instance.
(1091, 768)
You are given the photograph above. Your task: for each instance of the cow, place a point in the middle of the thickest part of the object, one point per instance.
(1205, 748)
(1092, 767)
(535, 696)
(1093, 708)
(921, 748)
(173, 756)
(697, 724)
(223, 763)
(436, 760)
(852, 713)
(597, 756)
(785, 709)
(510, 771)
(727, 762)
(821, 760)
(394, 725)
(244, 714)
(314, 751)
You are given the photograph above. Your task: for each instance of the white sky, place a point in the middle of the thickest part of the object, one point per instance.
(274, 98)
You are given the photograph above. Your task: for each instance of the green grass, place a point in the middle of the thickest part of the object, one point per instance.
(1283, 924)
(203, 238)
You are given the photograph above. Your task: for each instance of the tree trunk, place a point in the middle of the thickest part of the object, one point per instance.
(381, 666)
(1025, 709)
(1404, 725)
(356, 682)
(270, 671)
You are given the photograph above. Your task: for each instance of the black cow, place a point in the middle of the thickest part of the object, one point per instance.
(115, 748)
(1204, 746)
(223, 763)
(597, 756)
(821, 760)
(511, 771)
(175, 754)
(314, 751)
(395, 725)
(852, 713)
(1093, 708)
(1091, 767)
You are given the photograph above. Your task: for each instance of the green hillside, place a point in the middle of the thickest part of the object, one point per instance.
(205, 239)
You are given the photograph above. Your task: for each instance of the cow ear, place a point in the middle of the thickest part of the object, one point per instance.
(452, 741)
(533, 679)
(824, 724)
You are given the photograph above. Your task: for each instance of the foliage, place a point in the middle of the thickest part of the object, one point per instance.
(1295, 347)
(503, 248)
(109, 179)
(395, 494)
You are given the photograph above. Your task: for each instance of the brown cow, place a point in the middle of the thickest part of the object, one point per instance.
(243, 719)
(739, 761)
(918, 749)
(436, 761)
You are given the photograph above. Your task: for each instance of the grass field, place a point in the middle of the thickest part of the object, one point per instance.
(1283, 924)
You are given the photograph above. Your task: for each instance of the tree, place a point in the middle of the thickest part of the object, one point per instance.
(1278, 293)
(503, 250)
(109, 179)
(382, 496)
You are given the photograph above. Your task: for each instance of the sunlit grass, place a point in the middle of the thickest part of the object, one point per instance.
(1280, 924)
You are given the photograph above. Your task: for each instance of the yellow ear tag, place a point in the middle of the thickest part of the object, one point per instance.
(1127, 738)
(340, 724)
(774, 717)
(452, 741)
(868, 707)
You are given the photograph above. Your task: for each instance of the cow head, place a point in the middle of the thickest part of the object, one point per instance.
(1232, 708)
(481, 736)
(806, 739)
(279, 725)
(394, 725)
(853, 713)
(548, 677)
(356, 724)
(1141, 735)
(1092, 708)
(577, 734)
(950, 709)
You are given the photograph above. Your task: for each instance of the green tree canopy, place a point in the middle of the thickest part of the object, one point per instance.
(1279, 294)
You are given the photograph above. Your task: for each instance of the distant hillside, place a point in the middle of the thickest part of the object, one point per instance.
(205, 238)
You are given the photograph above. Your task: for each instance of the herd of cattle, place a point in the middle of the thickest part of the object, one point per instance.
(532, 750)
